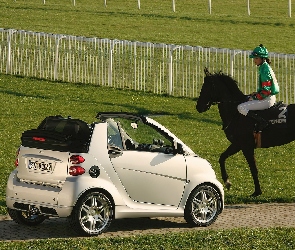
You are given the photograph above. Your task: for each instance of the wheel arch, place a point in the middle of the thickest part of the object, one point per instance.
(84, 216)
(203, 211)
(214, 185)
(96, 189)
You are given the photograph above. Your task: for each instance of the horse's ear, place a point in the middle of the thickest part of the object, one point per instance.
(206, 71)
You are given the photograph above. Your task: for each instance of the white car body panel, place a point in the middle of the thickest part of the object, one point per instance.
(150, 178)
(56, 158)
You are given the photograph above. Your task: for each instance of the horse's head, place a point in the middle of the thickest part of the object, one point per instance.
(208, 94)
(218, 88)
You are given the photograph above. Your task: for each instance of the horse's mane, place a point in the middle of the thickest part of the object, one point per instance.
(230, 83)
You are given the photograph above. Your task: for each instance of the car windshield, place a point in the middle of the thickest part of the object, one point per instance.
(142, 133)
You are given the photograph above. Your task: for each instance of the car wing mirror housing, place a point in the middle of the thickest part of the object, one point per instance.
(178, 149)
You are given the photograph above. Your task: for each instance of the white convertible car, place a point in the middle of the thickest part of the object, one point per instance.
(123, 166)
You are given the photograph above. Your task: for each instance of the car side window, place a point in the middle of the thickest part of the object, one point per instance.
(142, 137)
(143, 133)
(113, 135)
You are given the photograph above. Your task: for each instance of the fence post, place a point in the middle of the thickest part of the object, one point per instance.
(110, 72)
(171, 49)
(8, 62)
(232, 59)
(138, 4)
(56, 56)
(209, 3)
(135, 64)
(249, 8)
(286, 73)
(170, 70)
(289, 8)
(173, 5)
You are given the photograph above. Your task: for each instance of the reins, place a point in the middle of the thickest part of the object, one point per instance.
(220, 102)
(225, 128)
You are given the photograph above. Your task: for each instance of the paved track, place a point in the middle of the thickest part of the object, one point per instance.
(233, 216)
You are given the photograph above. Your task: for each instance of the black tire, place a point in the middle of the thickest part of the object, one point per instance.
(203, 206)
(92, 214)
(26, 217)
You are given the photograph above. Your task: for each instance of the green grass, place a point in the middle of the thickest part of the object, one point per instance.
(229, 25)
(277, 238)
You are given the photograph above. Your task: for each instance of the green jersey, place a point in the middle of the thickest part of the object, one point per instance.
(267, 82)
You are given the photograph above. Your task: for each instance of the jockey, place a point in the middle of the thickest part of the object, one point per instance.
(268, 87)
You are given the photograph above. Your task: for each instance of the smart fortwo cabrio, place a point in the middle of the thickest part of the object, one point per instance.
(121, 166)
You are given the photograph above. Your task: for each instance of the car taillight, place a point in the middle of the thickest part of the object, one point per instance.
(76, 170)
(16, 160)
(76, 159)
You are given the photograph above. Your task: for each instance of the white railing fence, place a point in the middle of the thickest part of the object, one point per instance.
(209, 5)
(159, 68)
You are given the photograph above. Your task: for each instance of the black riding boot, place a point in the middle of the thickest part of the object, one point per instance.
(261, 123)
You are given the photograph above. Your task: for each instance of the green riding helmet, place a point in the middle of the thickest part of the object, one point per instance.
(259, 51)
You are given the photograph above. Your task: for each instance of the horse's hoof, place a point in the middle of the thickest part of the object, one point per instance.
(227, 185)
(256, 193)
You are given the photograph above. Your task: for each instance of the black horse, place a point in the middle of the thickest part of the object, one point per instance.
(221, 89)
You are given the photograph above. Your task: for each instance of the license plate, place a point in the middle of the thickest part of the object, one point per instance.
(40, 166)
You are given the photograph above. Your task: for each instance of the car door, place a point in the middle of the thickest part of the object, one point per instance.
(151, 177)
(148, 171)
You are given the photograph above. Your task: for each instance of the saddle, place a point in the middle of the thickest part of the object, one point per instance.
(277, 115)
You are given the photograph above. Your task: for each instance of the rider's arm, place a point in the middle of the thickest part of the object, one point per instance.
(265, 82)
(264, 91)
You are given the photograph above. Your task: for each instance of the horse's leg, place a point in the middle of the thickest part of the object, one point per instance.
(231, 150)
(249, 155)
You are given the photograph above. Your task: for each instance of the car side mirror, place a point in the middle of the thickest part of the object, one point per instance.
(178, 149)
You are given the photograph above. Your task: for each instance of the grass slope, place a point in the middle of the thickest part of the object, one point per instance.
(270, 239)
(27, 101)
(229, 25)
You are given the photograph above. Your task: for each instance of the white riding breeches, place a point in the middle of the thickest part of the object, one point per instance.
(266, 103)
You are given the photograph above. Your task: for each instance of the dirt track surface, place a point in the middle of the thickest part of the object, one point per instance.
(233, 216)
